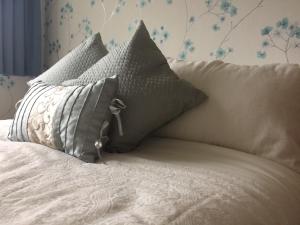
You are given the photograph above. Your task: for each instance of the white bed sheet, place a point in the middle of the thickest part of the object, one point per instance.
(165, 181)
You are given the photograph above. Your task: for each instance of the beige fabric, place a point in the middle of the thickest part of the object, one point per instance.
(4, 129)
(254, 109)
(164, 182)
(42, 116)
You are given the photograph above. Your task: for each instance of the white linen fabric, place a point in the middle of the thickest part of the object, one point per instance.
(164, 182)
(254, 109)
(4, 129)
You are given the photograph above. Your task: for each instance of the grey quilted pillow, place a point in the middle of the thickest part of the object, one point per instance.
(72, 119)
(152, 92)
(75, 62)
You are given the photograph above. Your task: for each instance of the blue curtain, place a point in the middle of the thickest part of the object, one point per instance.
(20, 37)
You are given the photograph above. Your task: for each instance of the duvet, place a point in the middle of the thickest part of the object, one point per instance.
(165, 181)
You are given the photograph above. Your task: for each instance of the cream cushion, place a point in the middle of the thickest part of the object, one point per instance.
(255, 109)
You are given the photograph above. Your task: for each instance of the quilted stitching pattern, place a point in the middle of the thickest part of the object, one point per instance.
(75, 62)
(150, 89)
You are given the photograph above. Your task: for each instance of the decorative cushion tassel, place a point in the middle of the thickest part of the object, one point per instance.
(99, 143)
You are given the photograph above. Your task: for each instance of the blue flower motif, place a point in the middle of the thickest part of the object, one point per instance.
(216, 27)
(48, 22)
(166, 35)
(292, 30)
(282, 37)
(47, 4)
(93, 2)
(297, 32)
(6, 82)
(261, 54)
(208, 2)
(69, 7)
(187, 43)
(160, 35)
(192, 48)
(188, 47)
(265, 43)
(169, 2)
(121, 3)
(111, 44)
(85, 26)
(143, 3)
(233, 11)
(225, 5)
(117, 9)
(182, 55)
(154, 32)
(284, 23)
(222, 18)
(54, 46)
(267, 30)
(66, 12)
(192, 19)
(133, 25)
(220, 53)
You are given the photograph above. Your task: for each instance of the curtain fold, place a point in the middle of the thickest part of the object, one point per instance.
(20, 37)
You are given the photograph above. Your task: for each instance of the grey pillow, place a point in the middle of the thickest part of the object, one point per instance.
(71, 119)
(75, 62)
(152, 92)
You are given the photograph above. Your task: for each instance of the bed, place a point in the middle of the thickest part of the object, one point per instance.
(165, 181)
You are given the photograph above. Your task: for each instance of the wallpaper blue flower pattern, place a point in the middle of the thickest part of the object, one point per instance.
(283, 36)
(224, 19)
(237, 31)
(12, 88)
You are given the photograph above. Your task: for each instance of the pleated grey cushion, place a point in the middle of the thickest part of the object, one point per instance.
(71, 119)
(152, 92)
(75, 62)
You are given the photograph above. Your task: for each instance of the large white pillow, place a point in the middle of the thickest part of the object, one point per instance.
(254, 109)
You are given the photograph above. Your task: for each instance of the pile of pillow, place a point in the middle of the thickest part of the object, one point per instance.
(69, 107)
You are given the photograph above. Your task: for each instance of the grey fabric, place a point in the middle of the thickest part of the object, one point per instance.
(69, 119)
(75, 62)
(151, 90)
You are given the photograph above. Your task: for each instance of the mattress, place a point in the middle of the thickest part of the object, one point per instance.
(165, 181)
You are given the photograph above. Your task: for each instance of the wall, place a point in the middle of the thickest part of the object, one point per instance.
(238, 31)
(12, 89)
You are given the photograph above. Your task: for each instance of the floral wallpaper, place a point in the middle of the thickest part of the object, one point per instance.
(12, 89)
(237, 31)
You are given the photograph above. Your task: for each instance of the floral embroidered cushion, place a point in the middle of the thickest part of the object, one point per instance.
(72, 119)
(75, 62)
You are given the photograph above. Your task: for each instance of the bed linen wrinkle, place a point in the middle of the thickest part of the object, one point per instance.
(165, 181)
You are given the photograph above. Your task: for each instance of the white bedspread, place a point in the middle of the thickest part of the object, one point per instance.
(164, 182)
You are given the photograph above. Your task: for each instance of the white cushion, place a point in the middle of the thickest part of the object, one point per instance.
(254, 109)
